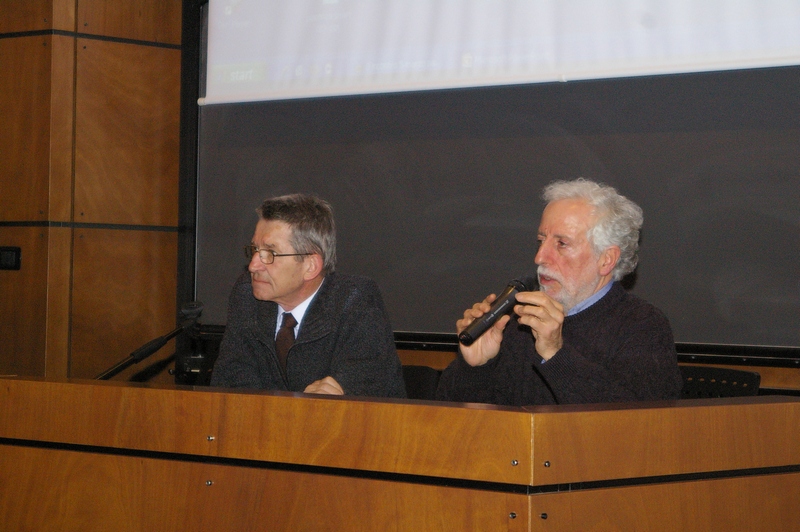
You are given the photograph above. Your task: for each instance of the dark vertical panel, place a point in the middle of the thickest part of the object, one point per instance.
(191, 50)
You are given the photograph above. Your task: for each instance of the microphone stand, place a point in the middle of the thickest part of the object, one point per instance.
(189, 312)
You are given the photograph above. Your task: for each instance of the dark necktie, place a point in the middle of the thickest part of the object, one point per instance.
(285, 338)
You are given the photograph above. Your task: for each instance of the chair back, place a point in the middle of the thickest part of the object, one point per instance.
(421, 382)
(707, 381)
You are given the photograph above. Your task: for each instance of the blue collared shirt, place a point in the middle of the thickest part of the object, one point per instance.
(589, 301)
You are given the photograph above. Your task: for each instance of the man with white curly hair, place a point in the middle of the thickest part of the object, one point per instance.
(579, 338)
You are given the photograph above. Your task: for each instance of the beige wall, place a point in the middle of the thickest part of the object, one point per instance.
(90, 95)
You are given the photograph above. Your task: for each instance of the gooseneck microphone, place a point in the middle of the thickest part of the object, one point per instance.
(188, 314)
(501, 306)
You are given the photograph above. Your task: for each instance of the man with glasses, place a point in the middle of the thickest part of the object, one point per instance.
(580, 337)
(294, 323)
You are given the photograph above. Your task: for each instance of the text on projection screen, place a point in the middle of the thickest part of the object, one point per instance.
(280, 49)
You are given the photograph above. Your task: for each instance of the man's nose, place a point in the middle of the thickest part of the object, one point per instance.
(541, 254)
(255, 264)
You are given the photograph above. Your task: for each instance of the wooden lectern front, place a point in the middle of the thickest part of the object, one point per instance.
(89, 455)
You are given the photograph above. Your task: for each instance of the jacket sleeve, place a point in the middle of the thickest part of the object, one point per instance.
(238, 365)
(365, 361)
(641, 366)
(462, 383)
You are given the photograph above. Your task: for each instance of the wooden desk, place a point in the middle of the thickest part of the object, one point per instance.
(88, 455)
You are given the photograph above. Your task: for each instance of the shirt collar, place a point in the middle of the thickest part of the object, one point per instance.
(591, 300)
(299, 311)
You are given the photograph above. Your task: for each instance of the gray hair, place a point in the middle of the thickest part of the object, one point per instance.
(618, 223)
(311, 221)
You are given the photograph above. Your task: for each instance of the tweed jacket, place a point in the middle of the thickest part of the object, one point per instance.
(344, 334)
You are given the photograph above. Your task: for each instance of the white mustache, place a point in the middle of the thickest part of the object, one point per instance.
(540, 271)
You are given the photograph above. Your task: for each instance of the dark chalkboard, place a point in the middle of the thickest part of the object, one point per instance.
(437, 194)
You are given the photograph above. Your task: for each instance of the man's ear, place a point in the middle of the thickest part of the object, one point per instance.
(608, 259)
(313, 266)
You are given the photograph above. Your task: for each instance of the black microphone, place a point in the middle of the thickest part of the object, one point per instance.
(501, 306)
(189, 313)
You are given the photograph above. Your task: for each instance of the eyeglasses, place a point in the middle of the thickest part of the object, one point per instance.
(267, 256)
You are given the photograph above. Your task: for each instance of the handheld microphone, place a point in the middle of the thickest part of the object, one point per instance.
(501, 306)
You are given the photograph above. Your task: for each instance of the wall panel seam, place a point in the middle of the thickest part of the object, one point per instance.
(34, 33)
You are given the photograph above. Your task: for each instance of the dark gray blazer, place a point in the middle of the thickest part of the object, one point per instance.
(345, 333)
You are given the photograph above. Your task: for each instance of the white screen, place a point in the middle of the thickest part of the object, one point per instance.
(281, 49)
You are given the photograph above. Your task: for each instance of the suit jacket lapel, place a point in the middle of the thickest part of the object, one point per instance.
(265, 322)
(317, 320)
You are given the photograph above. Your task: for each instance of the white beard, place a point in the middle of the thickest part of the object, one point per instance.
(569, 295)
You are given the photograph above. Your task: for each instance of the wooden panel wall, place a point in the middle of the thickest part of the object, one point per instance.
(62, 118)
(126, 141)
(123, 292)
(88, 492)
(31, 15)
(89, 181)
(21, 326)
(25, 107)
(212, 460)
(722, 505)
(25, 15)
(146, 20)
(24, 144)
(580, 443)
(93, 492)
(482, 443)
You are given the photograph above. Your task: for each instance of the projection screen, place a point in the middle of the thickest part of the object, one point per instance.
(431, 126)
(276, 49)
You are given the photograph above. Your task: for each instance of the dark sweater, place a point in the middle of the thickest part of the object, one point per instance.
(344, 334)
(619, 349)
